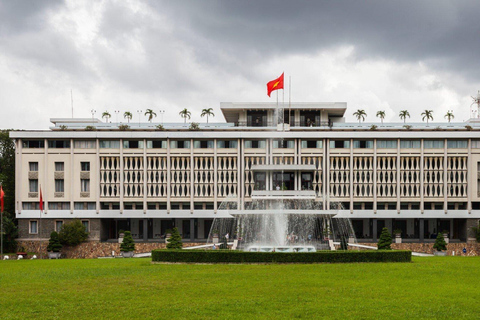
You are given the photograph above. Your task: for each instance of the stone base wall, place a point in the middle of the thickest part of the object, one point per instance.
(473, 249)
(90, 249)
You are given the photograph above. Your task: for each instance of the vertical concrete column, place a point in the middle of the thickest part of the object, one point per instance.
(445, 178)
(98, 176)
(215, 175)
(192, 172)
(351, 176)
(374, 230)
(471, 174)
(422, 150)
(324, 173)
(145, 185)
(121, 176)
(18, 175)
(145, 229)
(421, 227)
(239, 175)
(72, 169)
(326, 176)
(398, 175)
(192, 229)
(375, 176)
(168, 176)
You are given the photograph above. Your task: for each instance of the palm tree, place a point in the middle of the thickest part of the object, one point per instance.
(207, 112)
(404, 114)
(381, 115)
(150, 114)
(185, 114)
(360, 114)
(449, 115)
(106, 115)
(427, 114)
(128, 115)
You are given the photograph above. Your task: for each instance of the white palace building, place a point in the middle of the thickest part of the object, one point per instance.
(417, 177)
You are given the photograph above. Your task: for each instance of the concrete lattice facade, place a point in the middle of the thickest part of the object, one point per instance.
(421, 179)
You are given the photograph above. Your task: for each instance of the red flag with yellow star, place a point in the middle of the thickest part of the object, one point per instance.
(2, 195)
(275, 85)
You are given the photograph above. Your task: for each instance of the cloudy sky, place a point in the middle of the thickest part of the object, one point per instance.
(169, 55)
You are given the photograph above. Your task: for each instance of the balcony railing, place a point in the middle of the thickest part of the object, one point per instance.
(283, 194)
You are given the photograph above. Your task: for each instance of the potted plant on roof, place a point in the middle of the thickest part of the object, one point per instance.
(440, 245)
(398, 235)
(54, 246)
(128, 246)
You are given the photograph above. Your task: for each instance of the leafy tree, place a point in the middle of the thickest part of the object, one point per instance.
(476, 231)
(73, 233)
(207, 112)
(449, 115)
(381, 115)
(128, 244)
(54, 244)
(404, 114)
(175, 241)
(224, 244)
(385, 240)
(106, 115)
(150, 114)
(128, 115)
(440, 243)
(7, 172)
(360, 114)
(194, 126)
(10, 233)
(427, 114)
(344, 242)
(185, 114)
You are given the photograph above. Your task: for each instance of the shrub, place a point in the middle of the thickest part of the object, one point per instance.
(407, 127)
(224, 244)
(175, 241)
(476, 230)
(385, 240)
(123, 127)
(90, 128)
(373, 127)
(10, 232)
(233, 256)
(63, 127)
(73, 233)
(469, 128)
(160, 127)
(127, 244)
(440, 243)
(194, 126)
(54, 244)
(344, 242)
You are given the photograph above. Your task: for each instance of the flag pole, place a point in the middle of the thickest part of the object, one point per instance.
(289, 100)
(41, 207)
(1, 224)
(283, 109)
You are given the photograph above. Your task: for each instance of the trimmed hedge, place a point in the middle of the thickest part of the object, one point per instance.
(231, 256)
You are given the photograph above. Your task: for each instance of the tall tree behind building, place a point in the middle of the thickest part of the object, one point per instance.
(7, 171)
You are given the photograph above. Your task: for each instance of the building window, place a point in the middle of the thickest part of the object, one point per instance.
(85, 166)
(33, 228)
(30, 205)
(312, 144)
(84, 144)
(255, 144)
(85, 185)
(283, 144)
(33, 144)
(84, 205)
(433, 144)
(59, 166)
(180, 144)
(33, 166)
(59, 185)
(410, 144)
(59, 144)
(339, 144)
(227, 144)
(59, 205)
(203, 144)
(157, 144)
(386, 144)
(457, 144)
(86, 225)
(109, 144)
(58, 225)
(133, 144)
(33, 185)
(362, 144)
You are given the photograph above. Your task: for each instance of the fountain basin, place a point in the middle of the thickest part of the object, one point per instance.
(281, 249)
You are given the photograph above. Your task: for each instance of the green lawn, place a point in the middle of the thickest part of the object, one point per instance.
(433, 287)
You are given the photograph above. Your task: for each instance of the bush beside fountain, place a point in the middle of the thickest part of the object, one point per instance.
(233, 256)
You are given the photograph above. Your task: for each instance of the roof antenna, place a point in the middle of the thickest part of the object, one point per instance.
(476, 100)
(71, 97)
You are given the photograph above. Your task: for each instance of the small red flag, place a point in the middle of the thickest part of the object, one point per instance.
(2, 195)
(41, 200)
(275, 85)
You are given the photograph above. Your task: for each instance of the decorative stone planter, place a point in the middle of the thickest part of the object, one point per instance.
(54, 255)
(215, 238)
(440, 253)
(127, 254)
(398, 238)
(120, 237)
(445, 236)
